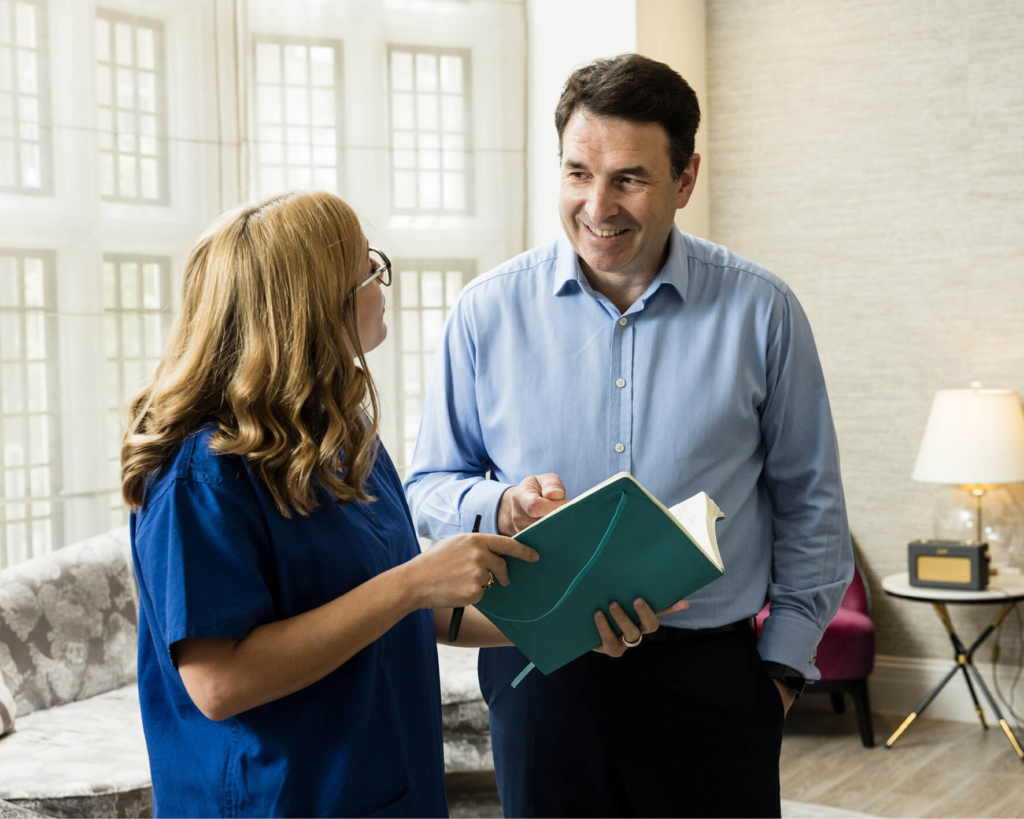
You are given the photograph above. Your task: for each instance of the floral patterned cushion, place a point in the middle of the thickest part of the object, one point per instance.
(80, 759)
(8, 710)
(68, 623)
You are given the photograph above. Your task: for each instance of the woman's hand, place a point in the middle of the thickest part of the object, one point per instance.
(454, 571)
(611, 644)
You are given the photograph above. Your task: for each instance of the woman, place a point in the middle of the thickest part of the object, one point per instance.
(286, 657)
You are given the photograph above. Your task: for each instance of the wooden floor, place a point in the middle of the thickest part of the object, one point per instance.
(936, 769)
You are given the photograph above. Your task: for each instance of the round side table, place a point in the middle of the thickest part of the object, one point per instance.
(1006, 588)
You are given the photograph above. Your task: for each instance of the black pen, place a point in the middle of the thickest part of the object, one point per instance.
(453, 628)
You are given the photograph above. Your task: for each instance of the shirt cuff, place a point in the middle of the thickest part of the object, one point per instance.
(791, 641)
(483, 499)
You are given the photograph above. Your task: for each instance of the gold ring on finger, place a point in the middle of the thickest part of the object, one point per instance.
(490, 581)
(628, 644)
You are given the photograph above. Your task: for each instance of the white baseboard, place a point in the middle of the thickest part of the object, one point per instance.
(898, 684)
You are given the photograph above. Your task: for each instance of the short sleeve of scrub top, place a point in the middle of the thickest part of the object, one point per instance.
(215, 558)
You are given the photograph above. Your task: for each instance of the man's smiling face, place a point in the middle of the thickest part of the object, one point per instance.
(618, 197)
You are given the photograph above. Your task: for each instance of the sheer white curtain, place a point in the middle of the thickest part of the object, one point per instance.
(126, 128)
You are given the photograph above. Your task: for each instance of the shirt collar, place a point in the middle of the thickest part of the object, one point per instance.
(676, 271)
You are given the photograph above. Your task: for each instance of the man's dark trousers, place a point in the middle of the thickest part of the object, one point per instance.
(685, 728)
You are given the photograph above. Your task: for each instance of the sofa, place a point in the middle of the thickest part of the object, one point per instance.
(68, 631)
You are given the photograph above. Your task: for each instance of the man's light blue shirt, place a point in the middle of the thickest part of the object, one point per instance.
(709, 382)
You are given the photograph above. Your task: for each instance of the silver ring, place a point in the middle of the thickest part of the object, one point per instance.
(626, 642)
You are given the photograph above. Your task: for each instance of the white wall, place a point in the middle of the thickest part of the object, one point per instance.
(562, 36)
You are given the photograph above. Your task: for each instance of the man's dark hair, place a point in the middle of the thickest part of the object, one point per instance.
(638, 89)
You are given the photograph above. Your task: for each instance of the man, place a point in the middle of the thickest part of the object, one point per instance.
(630, 346)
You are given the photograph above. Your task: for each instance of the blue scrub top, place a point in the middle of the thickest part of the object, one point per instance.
(215, 558)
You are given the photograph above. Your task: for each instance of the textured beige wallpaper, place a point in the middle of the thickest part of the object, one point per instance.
(871, 153)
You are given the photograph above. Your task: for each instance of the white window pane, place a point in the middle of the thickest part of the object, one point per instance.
(15, 485)
(409, 286)
(151, 286)
(323, 107)
(114, 430)
(35, 335)
(103, 84)
(147, 91)
(325, 136)
(132, 379)
(129, 285)
(107, 173)
(325, 179)
(295, 65)
(105, 119)
(110, 344)
(149, 178)
(411, 373)
(42, 533)
(402, 112)
(9, 282)
(28, 109)
(145, 43)
(452, 286)
(28, 73)
(109, 285)
(123, 43)
(410, 331)
(430, 160)
(404, 159)
(6, 106)
(403, 140)
(325, 156)
(25, 24)
(39, 441)
(147, 125)
(405, 189)
(429, 141)
(454, 160)
(131, 335)
(36, 373)
(298, 154)
(126, 176)
(433, 324)
(152, 335)
(17, 540)
(126, 143)
(10, 336)
(113, 381)
(300, 178)
(125, 88)
(413, 408)
(268, 103)
(432, 289)
(454, 191)
(298, 135)
(103, 41)
(426, 72)
(271, 153)
(7, 162)
(451, 74)
(12, 394)
(7, 129)
(268, 62)
(451, 113)
(426, 112)
(271, 134)
(296, 105)
(6, 72)
(322, 65)
(147, 146)
(429, 190)
(34, 292)
(271, 180)
(15, 438)
(401, 71)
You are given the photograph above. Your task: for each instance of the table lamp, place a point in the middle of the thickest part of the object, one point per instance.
(975, 439)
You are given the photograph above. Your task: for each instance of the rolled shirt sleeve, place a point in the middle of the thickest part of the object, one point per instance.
(812, 557)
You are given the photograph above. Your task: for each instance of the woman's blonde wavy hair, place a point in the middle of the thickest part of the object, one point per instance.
(267, 345)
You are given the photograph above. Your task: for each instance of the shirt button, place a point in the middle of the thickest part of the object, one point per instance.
(621, 382)
(620, 448)
(623, 321)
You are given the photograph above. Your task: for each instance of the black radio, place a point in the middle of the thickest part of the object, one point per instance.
(948, 564)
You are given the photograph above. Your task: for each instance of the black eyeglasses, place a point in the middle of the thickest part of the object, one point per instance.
(381, 270)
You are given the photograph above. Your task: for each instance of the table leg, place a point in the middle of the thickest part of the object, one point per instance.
(977, 705)
(921, 706)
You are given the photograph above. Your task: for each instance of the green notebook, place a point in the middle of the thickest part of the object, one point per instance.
(613, 542)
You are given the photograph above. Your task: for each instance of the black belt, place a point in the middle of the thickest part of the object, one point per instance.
(670, 634)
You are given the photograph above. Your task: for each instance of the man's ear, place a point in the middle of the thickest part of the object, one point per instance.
(687, 181)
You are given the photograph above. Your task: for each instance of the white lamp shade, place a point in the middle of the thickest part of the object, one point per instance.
(973, 437)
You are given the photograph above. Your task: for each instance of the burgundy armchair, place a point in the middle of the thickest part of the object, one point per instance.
(846, 655)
